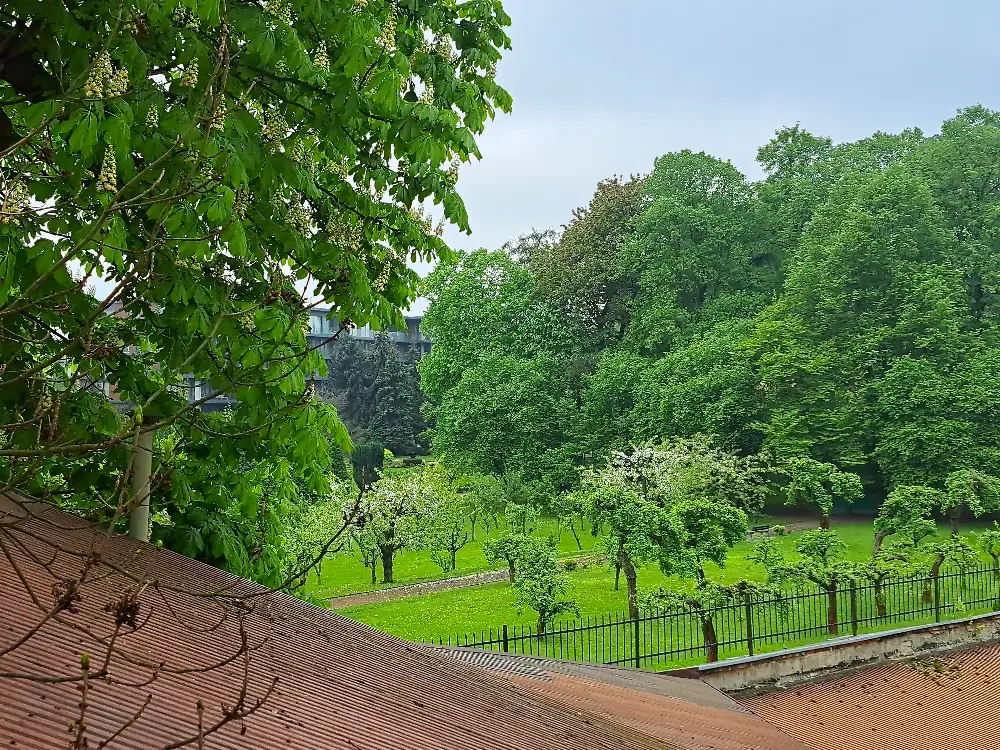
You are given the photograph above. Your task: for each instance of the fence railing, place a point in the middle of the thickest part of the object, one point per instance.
(752, 625)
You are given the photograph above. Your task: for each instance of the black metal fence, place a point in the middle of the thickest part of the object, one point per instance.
(752, 625)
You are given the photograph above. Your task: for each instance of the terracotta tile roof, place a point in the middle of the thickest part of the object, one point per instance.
(339, 684)
(687, 713)
(947, 702)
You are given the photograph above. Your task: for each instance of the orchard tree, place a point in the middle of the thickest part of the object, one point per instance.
(174, 173)
(677, 502)
(972, 490)
(508, 547)
(541, 585)
(819, 484)
(706, 599)
(487, 502)
(906, 512)
(632, 526)
(954, 550)
(569, 510)
(823, 561)
(394, 515)
(310, 530)
(904, 519)
(446, 525)
(989, 542)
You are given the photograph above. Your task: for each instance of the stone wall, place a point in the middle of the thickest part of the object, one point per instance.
(767, 672)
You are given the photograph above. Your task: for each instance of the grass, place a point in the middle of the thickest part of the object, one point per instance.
(341, 575)
(479, 608)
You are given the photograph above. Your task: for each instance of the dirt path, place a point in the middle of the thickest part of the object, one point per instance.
(416, 589)
(428, 587)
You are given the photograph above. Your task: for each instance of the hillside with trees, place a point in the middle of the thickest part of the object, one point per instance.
(838, 317)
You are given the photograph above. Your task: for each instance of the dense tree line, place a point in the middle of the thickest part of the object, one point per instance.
(841, 311)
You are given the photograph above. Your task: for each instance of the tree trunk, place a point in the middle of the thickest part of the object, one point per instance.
(955, 514)
(572, 528)
(454, 559)
(935, 569)
(510, 569)
(540, 626)
(825, 522)
(618, 573)
(630, 577)
(711, 640)
(473, 528)
(387, 554)
(879, 538)
(880, 596)
(374, 567)
(831, 608)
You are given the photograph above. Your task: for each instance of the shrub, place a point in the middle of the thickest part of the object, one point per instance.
(569, 565)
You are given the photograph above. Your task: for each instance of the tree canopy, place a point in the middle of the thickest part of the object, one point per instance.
(837, 318)
(200, 162)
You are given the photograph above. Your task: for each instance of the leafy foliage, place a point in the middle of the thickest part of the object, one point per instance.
(200, 159)
(676, 503)
(541, 584)
(820, 484)
(446, 530)
(510, 547)
(393, 515)
(838, 319)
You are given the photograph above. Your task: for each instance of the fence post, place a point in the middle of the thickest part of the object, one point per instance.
(749, 615)
(635, 643)
(854, 608)
(506, 641)
(937, 599)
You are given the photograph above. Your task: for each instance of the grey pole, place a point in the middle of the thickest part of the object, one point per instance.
(142, 468)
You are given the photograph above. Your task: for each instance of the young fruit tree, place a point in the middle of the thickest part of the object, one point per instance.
(488, 501)
(819, 484)
(446, 525)
(903, 520)
(706, 600)
(679, 503)
(823, 561)
(541, 585)
(971, 490)
(521, 522)
(393, 515)
(989, 542)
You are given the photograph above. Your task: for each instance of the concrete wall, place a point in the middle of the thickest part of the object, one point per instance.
(766, 672)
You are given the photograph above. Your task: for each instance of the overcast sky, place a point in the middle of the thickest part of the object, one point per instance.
(603, 87)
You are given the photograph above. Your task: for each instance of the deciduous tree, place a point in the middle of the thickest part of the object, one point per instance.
(541, 585)
(203, 161)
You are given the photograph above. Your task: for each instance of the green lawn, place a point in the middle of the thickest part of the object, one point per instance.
(344, 574)
(477, 609)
